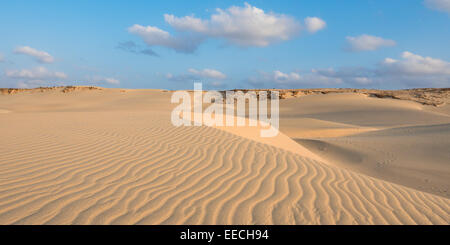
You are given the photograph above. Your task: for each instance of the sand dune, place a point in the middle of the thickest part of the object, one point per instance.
(400, 141)
(113, 157)
(359, 110)
(415, 156)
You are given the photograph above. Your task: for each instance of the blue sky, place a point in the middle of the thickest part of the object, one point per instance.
(226, 44)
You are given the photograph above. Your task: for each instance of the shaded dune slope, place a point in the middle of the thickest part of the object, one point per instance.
(413, 156)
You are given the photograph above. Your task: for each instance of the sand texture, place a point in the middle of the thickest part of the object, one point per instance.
(86, 155)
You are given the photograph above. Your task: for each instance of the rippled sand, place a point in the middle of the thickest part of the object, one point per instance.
(110, 156)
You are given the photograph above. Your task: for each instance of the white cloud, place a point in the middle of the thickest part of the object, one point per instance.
(2, 59)
(415, 65)
(314, 24)
(281, 77)
(35, 73)
(368, 43)
(194, 74)
(440, 5)
(243, 26)
(208, 73)
(349, 76)
(112, 81)
(187, 23)
(293, 79)
(35, 77)
(101, 79)
(410, 71)
(40, 56)
(153, 36)
(38, 83)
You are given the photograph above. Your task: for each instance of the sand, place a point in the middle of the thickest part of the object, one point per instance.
(112, 156)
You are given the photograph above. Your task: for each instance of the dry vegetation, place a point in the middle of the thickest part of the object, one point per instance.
(425, 96)
(63, 89)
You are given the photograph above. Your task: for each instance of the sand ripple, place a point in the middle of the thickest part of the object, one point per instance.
(135, 168)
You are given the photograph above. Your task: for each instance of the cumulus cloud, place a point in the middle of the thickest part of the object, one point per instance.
(368, 43)
(314, 24)
(440, 5)
(35, 77)
(415, 65)
(243, 26)
(132, 47)
(35, 73)
(187, 23)
(40, 56)
(208, 73)
(410, 71)
(153, 36)
(281, 77)
(194, 74)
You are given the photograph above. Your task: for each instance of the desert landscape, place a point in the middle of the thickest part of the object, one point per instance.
(92, 155)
